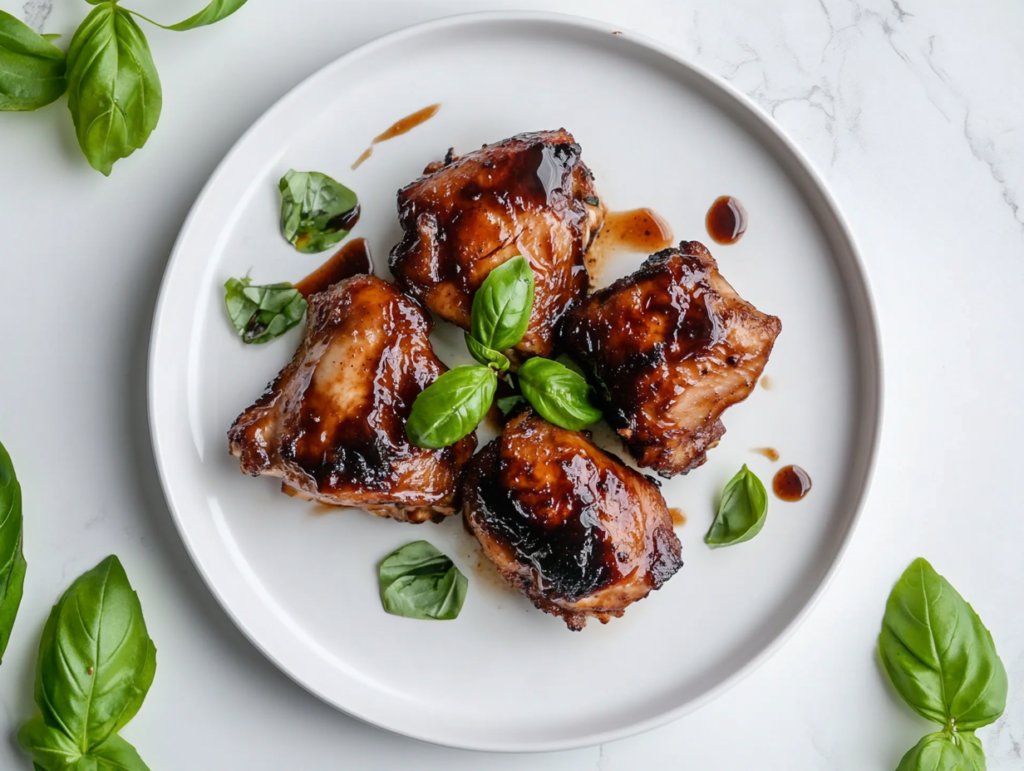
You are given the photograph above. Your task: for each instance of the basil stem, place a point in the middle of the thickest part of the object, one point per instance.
(502, 305)
(12, 558)
(486, 356)
(261, 313)
(418, 581)
(560, 395)
(741, 512)
(31, 68)
(451, 407)
(211, 14)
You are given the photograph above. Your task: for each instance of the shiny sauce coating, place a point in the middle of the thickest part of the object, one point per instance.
(791, 483)
(403, 126)
(635, 230)
(726, 220)
(351, 260)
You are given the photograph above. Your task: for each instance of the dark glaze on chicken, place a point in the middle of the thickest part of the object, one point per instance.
(332, 425)
(526, 195)
(669, 348)
(581, 534)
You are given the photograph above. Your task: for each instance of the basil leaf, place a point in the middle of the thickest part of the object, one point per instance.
(211, 14)
(741, 512)
(938, 654)
(489, 358)
(261, 313)
(115, 754)
(312, 210)
(113, 90)
(508, 403)
(945, 752)
(31, 68)
(451, 407)
(560, 395)
(96, 659)
(12, 559)
(418, 581)
(502, 305)
(49, 748)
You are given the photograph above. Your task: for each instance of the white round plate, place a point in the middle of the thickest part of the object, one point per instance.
(301, 581)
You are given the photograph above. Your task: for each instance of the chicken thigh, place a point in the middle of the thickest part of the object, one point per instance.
(530, 195)
(332, 425)
(668, 349)
(581, 534)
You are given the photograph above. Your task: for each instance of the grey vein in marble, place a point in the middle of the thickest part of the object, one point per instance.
(36, 12)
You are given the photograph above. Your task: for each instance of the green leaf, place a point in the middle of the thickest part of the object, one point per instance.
(314, 209)
(31, 68)
(741, 512)
(12, 559)
(418, 581)
(502, 305)
(486, 356)
(115, 754)
(560, 395)
(96, 659)
(211, 14)
(451, 407)
(945, 751)
(49, 748)
(508, 403)
(114, 92)
(261, 313)
(938, 654)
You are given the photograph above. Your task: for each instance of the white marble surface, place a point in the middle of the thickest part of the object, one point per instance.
(912, 110)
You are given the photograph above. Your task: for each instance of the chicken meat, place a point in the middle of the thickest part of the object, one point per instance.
(668, 349)
(530, 195)
(580, 533)
(332, 425)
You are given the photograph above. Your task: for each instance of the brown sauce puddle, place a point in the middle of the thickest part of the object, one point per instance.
(635, 230)
(403, 126)
(726, 220)
(791, 483)
(351, 260)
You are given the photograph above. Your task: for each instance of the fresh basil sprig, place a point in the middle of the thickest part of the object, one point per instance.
(560, 395)
(31, 67)
(261, 313)
(496, 360)
(741, 512)
(12, 559)
(451, 407)
(313, 210)
(418, 581)
(96, 664)
(941, 659)
(211, 14)
(502, 305)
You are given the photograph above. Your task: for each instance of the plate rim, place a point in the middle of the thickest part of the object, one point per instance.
(868, 348)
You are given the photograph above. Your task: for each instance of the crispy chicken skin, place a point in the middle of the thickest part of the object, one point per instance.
(526, 195)
(332, 425)
(580, 533)
(669, 348)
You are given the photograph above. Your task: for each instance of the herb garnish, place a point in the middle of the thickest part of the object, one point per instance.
(313, 209)
(261, 313)
(12, 559)
(31, 67)
(418, 581)
(741, 512)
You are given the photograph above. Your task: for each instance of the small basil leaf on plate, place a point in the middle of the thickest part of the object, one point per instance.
(560, 395)
(211, 14)
(316, 211)
(31, 68)
(486, 356)
(452, 406)
(12, 559)
(114, 91)
(261, 313)
(96, 659)
(502, 305)
(944, 751)
(508, 403)
(741, 512)
(418, 581)
(940, 657)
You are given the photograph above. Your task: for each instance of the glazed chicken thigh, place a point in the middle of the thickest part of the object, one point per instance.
(581, 534)
(332, 425)
(669, 348)
(530, 195)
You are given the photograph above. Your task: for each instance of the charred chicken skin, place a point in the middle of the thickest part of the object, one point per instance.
(529, 195)
(332, 425)
(581, 534)
(669, 348)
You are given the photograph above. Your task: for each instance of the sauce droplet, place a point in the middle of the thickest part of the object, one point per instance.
(636, 230)
(678, 518)
(351, 260)
(403, 126)
(769, 452)
(791, 483)
(767, 383)
(726, 220)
